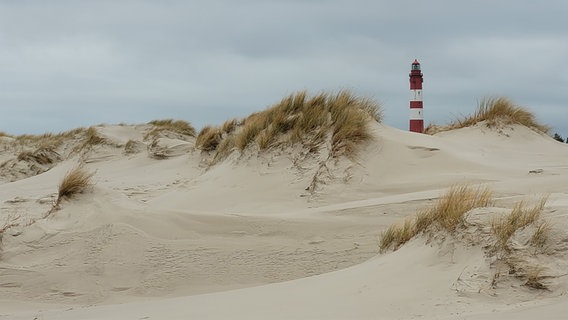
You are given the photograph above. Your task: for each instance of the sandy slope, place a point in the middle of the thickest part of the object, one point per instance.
(176, 239)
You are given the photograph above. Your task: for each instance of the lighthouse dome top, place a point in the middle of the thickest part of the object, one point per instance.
(415, 65)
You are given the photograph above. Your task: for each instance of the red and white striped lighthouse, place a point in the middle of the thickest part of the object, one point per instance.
(416, 115)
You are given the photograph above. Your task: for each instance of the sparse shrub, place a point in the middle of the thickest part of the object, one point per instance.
(495, 112)
(558, 137)
(75, 182)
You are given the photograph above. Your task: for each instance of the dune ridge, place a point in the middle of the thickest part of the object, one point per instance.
(286, 232)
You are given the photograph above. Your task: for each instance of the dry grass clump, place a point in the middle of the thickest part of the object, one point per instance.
(51, 142)
(133, 146)
(46, 140)
(175, 126)
(76, 181)
(250, 130)
(348, 131)
(340, 119)
(540, 235)
(229, 126)
(504, 227)
(219, 139)
(92, 137)
(397, 235)
(4, 134)
(495, 112)
(41, 156)
(534, 277)
(449, 212)
(209, 138)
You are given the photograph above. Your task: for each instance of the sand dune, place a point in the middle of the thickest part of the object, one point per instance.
(165, 235)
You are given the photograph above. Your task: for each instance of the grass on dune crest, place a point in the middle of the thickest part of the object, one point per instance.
(209, 138)
(175, 126)
(341, 118)
(495, 112)
(50, 141)
(447, 213)
(513, 239)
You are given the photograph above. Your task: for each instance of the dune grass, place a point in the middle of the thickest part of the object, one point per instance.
(174, 126)
(521, 216)
(51, 142)
(42, 155)
(47, 140)
(209, 138)
(76, 181)
(494, 112)
(90, 138)
(448, 213)
(541, 234)
(10, 221)
(341, 118)
(533, 278)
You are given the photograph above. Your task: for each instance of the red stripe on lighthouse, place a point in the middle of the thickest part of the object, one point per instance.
(416, 115)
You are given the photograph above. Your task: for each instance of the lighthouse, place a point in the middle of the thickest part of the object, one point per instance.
(416, 115)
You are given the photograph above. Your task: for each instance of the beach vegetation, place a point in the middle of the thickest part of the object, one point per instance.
(209, 138)
(494, 112)
(448, 213)
(341, 118)
(521, 216)
(75, 182)
(169, 125)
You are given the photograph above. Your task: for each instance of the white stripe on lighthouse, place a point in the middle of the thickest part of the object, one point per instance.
(416, 95)
(416, 114)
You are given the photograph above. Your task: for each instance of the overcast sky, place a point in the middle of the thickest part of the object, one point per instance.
(71, 63)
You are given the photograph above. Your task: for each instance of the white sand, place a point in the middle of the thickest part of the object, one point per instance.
(173, 239)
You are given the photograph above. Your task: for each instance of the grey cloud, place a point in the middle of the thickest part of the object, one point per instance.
(83, 62)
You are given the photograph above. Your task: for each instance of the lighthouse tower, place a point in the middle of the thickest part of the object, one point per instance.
(416, 115)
